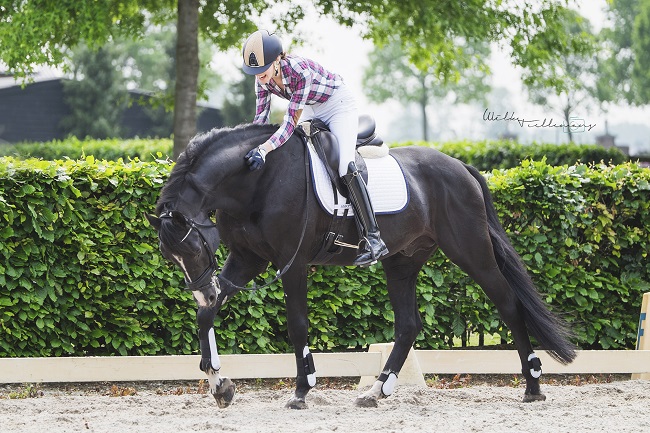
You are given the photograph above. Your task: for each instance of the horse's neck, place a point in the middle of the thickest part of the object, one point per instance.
(240, 190)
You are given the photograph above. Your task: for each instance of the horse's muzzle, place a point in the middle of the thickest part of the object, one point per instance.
(205, 298)
(209, 295)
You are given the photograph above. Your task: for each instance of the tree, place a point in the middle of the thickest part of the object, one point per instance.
(573, 76)
(95, 95)
(624, 61)
(35, 32)
(149, 62)
(99, 78)
(149, 66)
(641, 47)
(390, 75)
(532, 31)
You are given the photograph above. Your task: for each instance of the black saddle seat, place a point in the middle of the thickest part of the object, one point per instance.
(324, 142)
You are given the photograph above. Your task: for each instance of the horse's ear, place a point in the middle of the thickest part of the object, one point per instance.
(153, 220)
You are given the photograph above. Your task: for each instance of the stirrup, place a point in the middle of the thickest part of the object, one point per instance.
(373, 257)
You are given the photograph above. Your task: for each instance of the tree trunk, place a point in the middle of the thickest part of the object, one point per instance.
(425, 126)
(567, 118)
(423, 105)
(187, 74)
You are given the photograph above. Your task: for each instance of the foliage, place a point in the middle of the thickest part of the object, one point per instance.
(641, 44)
(110, 149)
(79, 265)
(424, 27)
(391, 76)
(583, 233)
(239, 105)
(82, 275)
(624, 61)
(484, 155)
(35, 32)
(148, 62)
(38, 33)
(95, 95)
(575, 74)
(491, 154)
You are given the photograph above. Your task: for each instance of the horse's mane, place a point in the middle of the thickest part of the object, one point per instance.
(197, 147)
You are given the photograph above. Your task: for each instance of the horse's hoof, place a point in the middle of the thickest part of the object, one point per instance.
(226, 393)
(366, 401)
(296, 403)
(529, 398)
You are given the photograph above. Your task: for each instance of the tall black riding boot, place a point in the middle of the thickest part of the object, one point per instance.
(364, 215)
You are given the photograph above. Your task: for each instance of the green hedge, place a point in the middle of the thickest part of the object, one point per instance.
(484, 155)
(490, 154)
(81, 273)
(109, 149)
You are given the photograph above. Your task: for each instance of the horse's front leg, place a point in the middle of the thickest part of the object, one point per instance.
(239, 269)
(295, 293)
(221, 388)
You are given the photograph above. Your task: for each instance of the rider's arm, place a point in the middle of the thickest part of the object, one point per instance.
(262, 104)
(301, 86)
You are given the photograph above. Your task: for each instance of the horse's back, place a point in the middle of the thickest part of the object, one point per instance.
(431, 167)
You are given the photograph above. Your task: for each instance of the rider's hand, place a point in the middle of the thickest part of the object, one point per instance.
(256, 158)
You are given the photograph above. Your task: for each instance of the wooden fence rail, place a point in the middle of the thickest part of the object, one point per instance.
(351, 364)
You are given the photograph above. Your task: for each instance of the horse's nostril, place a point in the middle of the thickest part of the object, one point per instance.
(212, 299)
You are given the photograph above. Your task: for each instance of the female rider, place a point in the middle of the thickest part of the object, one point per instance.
(320, 94)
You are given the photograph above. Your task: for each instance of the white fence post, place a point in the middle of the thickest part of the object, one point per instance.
(643, 339)
(411, 373)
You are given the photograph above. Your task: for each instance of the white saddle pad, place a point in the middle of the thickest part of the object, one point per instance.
(386, 185)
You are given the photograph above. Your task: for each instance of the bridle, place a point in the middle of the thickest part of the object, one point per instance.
(210, 274)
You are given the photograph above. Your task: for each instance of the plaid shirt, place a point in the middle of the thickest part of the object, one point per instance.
(305, 83)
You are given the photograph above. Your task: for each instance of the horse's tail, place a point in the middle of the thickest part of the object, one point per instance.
(550, 331)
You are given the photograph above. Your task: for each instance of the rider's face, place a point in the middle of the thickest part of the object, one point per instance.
(265, 76)
(268, 75)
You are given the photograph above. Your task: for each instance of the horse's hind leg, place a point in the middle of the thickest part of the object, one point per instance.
(511, 312)
(401, 277)
(472, 251)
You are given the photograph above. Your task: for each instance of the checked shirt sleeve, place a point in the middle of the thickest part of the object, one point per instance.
(302, 86)
(262, 104)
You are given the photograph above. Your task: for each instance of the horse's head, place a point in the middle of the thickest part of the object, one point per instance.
(191, 246)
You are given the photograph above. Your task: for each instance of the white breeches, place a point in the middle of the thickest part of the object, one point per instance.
(340, 114)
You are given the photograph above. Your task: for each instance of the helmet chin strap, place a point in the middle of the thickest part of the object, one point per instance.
(277, 70)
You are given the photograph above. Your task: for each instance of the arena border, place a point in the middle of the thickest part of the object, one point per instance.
(349, 364)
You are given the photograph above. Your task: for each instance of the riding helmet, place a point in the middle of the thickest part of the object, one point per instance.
(260, 50)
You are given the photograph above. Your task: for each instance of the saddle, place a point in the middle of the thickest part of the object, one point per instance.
(319, 140)
(324, 142)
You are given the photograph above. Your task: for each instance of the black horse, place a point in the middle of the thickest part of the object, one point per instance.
(270, 216)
